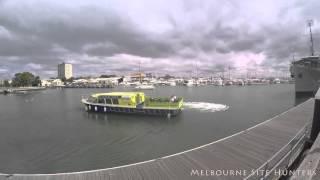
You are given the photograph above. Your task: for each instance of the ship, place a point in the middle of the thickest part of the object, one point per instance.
(306, 71)
(133, 103)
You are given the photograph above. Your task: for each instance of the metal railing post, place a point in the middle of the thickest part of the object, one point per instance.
(315, 128)
(264, 171)
(289, 157)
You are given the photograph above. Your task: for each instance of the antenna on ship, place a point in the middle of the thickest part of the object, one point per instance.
(310, 24)
(293, 58)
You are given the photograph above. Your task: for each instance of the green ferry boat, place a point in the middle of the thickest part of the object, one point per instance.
(133, 103)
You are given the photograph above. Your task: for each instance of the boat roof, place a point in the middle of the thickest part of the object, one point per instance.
(127, 94)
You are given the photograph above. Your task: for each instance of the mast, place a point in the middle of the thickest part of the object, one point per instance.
(196, 69)
(293, 58)
(310, 24)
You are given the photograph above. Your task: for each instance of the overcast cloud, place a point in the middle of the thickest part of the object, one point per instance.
(166, 36)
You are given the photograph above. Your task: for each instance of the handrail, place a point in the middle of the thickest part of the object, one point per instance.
(266, 164)
(288, 154)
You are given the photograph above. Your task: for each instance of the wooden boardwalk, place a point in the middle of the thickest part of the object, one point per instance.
(241, 152)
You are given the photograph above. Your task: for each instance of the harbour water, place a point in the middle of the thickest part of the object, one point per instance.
(49, 131)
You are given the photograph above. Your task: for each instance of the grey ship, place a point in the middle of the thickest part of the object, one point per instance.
(306, 71)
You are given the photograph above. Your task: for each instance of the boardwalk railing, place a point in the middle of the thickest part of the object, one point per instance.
(278, 164)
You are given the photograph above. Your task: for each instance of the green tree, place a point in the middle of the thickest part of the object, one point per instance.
(36, 81)
(25, 79)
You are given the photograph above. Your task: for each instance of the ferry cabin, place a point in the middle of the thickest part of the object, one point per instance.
(133, 103)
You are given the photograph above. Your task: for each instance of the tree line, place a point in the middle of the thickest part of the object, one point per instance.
(23, 79)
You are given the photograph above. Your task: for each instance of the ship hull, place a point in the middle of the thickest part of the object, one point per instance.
(130, 110)
(306, 79)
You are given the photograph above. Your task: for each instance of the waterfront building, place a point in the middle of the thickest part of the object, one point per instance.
(52, 83)
(65, 71)
(57, 83)
(45, 83)
(149, 75)
(137, 76)
(110, 81)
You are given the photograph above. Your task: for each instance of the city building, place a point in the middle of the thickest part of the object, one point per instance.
(64, 71)
(137, 76)
(149, 75)
(45, 83)
(52, 83)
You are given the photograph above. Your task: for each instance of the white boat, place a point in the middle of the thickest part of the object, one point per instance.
(228, 83)
(240, 82)
(189, 83)
(145, 87)
(276, 81)
(218, 82)
(257, 82)
(172, 83)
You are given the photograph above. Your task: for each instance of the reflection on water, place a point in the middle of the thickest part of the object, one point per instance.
(300, 98)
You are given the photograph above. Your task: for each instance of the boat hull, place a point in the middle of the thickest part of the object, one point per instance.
(306, 79)
(127, 110)
(306, 73)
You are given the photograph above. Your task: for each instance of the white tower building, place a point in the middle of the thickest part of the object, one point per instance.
(65, 71)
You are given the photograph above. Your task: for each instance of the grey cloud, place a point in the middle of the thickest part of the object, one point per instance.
(47, 33)
(73, 30)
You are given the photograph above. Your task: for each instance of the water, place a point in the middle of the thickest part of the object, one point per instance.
(49, 131)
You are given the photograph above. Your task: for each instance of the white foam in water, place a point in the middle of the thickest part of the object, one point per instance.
(205, 106)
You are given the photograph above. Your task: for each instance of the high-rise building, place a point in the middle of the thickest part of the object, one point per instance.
(65, 71)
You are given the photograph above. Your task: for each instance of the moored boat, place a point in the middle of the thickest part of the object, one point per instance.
(133, 103)
(145, 87)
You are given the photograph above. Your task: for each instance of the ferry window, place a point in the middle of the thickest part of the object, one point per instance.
(299, 75)
(108, 101)
(115, 101)
(101, 100)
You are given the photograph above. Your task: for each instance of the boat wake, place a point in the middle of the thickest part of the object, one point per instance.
(205, 106)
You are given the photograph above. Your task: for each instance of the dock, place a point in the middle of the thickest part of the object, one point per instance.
(20, 89)
(251, 154)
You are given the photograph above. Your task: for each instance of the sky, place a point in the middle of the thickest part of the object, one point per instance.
(178, 37)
